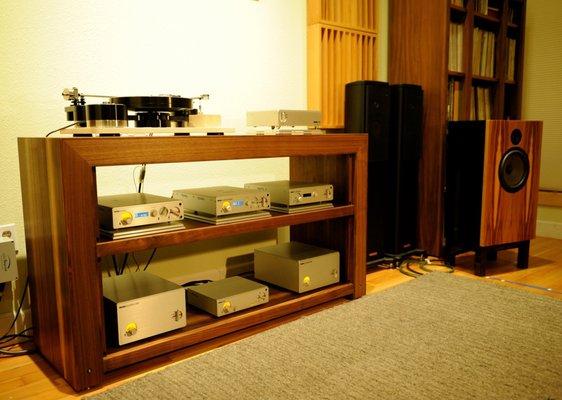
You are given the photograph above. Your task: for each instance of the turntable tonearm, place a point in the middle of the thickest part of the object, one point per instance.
(166, 113)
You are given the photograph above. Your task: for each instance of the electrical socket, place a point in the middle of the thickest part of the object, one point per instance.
(8, 231)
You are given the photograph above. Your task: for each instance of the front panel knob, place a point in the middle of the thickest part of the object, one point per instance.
(306, 281)
(226, 206)
(131, 329)
(226, 306)
(126, 218)
(163, 211)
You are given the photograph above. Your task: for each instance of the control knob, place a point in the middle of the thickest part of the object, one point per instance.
(126, 218)
(131, 329)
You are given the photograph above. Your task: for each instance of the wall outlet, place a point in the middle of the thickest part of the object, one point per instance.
(8, 262)
(8, 231)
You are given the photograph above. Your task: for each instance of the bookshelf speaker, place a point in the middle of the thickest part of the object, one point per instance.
(392, 116)
(492, 181)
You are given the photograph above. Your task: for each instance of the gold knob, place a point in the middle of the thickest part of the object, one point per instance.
(226, 206)
(131, 329)
(306, 280)
(126, 218)
(226, 306)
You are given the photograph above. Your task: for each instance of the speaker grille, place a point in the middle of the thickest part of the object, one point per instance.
(514, 169)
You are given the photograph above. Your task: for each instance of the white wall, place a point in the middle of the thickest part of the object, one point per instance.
(542, 99)
(246, 54)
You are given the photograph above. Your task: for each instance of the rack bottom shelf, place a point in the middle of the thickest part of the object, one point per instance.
(202, 327)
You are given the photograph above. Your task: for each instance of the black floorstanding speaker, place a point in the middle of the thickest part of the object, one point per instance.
(392, 116)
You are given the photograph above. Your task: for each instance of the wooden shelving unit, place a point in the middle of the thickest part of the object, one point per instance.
(64, 249)
(419, 53)
(341, 48)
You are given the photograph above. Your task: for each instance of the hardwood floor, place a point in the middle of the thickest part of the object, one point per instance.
(29, 377)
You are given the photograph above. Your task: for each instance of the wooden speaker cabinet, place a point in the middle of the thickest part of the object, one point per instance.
(492, 182)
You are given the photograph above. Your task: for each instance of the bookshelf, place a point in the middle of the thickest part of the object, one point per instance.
(468, 57)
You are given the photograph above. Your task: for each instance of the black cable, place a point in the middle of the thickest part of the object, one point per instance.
(124, 263)
(19, 309)
(136, 262)
(150, 259)
(404, 267)
(12, 336)
(115, 267)
(197, 283)
(16, 352)
(64, 127)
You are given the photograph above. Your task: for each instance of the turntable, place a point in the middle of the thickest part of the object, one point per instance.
(147, 115)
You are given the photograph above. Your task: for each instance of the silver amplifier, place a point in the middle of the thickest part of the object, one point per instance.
(139, 305)
(279, 118)
(297, 266)
(223, 200)
(289, 193)
(137, 209)
(227, 295)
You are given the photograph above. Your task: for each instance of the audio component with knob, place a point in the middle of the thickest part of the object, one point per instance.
(227, 296)
(297, 266)
(277, 119)
(220, 204)
(137, 209)
(492, 183)
(140, 305)
(291, 197)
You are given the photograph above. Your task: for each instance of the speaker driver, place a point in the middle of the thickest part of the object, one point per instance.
(514, 170)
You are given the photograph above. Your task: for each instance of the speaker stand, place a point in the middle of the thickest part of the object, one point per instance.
(484, 255)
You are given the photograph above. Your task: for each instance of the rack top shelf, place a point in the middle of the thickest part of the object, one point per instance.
(168, 149)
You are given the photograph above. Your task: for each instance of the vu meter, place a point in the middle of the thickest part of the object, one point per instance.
(137, 209)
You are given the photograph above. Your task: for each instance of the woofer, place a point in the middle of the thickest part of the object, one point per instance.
(513, 169)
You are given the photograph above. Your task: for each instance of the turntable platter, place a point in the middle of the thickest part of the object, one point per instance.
(153, 103)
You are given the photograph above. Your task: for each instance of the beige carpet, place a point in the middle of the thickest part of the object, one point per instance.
(437, 337)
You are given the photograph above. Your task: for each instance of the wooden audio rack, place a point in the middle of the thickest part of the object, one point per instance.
(58, 178)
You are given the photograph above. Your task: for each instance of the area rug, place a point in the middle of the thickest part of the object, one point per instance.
(437, 337)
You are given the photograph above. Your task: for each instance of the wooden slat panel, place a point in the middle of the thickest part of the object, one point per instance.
(509, 217)
(346, 56)
(348, 53)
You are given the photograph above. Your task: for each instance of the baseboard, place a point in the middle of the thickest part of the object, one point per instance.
(549, 229)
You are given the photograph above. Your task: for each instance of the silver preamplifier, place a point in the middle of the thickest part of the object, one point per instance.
(137, 209)
(293, 194)
(223, 200)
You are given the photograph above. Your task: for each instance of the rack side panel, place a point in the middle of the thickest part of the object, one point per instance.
(39, 244)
